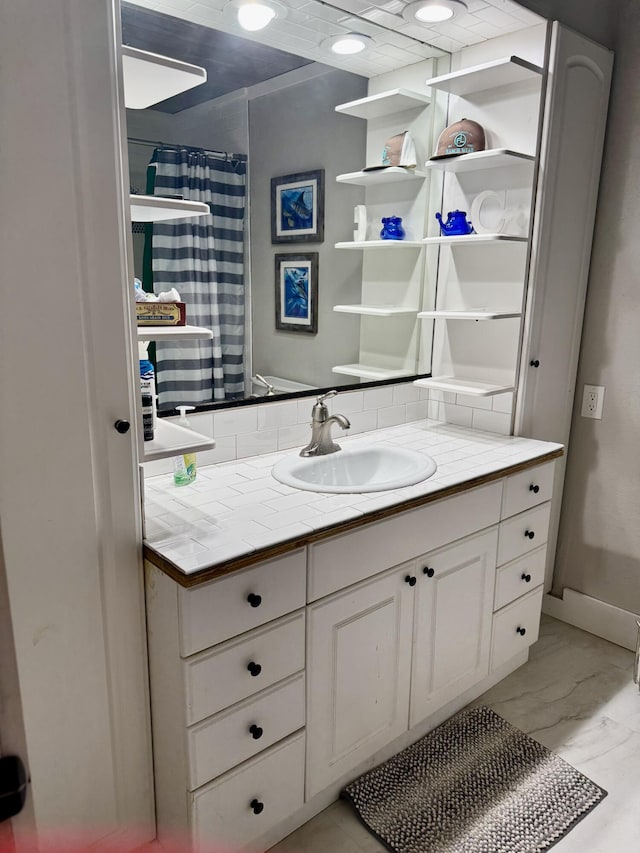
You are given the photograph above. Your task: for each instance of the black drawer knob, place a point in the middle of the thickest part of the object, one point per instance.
(534, 489)
(410, 580)
(529, 534)
(534, 363)
(521, 631)
(122, 426)
(254, 668)
(256, 806)
(428, 571)
(254, 600)
(256, 732)
(526, 578)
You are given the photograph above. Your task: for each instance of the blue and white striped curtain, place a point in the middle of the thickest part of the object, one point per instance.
(203, 258)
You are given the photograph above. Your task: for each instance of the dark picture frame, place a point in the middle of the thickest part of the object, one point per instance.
(296, 292)
(297, 208)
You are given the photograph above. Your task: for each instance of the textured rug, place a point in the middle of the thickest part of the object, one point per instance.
(475, 784)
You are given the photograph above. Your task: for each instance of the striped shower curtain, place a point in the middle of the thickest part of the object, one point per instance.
(203, 258)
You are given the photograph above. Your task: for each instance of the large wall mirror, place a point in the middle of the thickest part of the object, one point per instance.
(268, 111)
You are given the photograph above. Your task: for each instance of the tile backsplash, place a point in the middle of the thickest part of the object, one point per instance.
(267, 427)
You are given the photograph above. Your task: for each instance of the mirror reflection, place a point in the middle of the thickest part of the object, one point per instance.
(263, 145)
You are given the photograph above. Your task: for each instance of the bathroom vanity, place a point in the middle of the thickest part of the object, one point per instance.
(282, 673)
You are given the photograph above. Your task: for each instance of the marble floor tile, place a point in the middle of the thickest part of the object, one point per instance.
(576, 696)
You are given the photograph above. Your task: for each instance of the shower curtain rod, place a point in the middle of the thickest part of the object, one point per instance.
(221, 155)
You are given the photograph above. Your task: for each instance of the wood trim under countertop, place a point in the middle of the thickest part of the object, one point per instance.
(258, 556)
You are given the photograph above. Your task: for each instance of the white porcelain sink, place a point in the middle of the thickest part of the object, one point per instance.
(367, 469)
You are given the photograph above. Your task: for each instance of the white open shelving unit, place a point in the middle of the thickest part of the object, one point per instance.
(174, 333)
(154, 208)
(384, 245)
(370, 372)
(384, 104)
(381, 176)
(375, 310)
(488, 75)
(171, 439)
(150, 78)
(489, 356)
(477, 315)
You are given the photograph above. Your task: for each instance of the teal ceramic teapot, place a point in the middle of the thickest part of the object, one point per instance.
(456, 224)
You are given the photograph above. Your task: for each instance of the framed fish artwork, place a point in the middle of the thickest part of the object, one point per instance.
(297, 292)
(297, 208)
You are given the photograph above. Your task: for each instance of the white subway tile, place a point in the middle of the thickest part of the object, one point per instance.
(434, 410)
(363, 421)
(418, 410)
(391, 416)
(377, 398)
(293, 436)
(492, 421)
(473, 402)
(349, 402)
(274, 415)
(235, 421)
(256, 443)
(453, 414)
(503, 402)
(408, 393)
(224, 451)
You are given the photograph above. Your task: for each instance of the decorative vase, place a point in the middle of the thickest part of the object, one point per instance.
(392, 228)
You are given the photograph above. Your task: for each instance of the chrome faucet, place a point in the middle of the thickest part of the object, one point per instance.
(321, 442)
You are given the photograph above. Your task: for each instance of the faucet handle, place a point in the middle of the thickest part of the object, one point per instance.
(320, 400)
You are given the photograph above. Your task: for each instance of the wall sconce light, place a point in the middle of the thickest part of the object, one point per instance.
(348, 44)
(433, 11)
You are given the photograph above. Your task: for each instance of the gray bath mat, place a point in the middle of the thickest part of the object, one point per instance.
(475, 784)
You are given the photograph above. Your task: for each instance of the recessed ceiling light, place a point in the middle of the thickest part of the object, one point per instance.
(433, 11)
(254, 15)
(348, 44)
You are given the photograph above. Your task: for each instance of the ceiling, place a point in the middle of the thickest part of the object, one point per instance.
(306, 24)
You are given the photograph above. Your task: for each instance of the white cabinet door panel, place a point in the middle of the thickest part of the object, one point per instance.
(358, 661)
(452, 622)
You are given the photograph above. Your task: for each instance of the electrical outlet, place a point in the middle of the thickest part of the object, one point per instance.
(592, 401)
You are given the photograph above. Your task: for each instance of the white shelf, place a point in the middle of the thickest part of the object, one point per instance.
(153, 208)
(375, 310)
(471, 239)
(175, 333)
(365, 371)
(480, 314)
(384, 104)
(389, 175)
(388, 245)
(463, 386)
(174, 440)
(494, 158)
(150, 78)
(489, 75)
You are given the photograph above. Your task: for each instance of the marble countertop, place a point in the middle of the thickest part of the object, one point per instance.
(236, 509)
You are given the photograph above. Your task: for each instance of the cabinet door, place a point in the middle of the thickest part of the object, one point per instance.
(358, 665)
(452, 626)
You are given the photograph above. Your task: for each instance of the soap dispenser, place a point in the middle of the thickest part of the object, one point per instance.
(184, 467)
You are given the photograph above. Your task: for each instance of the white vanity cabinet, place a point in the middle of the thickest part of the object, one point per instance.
(274, 685)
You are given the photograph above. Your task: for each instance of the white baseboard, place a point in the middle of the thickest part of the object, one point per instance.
(595, 616)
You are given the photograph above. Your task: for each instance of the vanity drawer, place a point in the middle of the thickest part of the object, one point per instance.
(510, 622)
(344, 560)
(222, 742)
(523, 533)
(241, 601)
(526, 489)
(519, 577)
(222, 814)
(234, 670)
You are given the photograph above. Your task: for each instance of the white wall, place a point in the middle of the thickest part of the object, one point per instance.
(599, 542)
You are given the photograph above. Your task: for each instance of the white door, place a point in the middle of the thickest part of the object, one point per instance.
(358, 661)
(452, 625)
